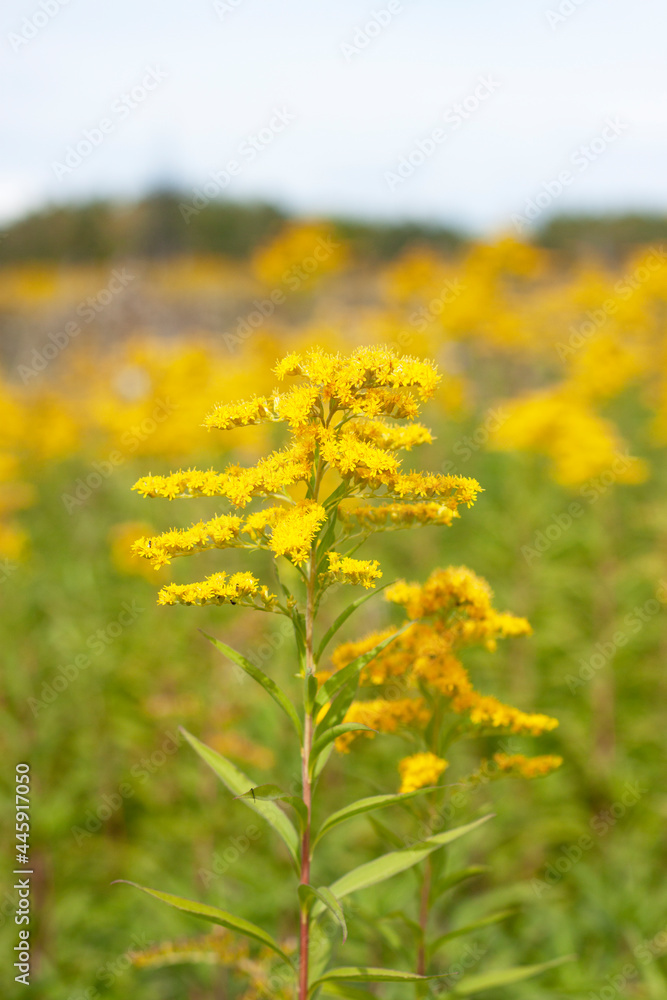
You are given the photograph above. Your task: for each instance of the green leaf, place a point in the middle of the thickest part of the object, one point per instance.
(321, 761)
(258, 675)
(353, 669)
(338, 708)
(361, 974)
(343, 617)
(451, 881)
(346, 992)
(328, 899)
(504, 977)
(332, 734)
(493, 918)
(363, 806)
(239, 783)
(273, 793)
(385, 834)
(214, 916)
(391, 864)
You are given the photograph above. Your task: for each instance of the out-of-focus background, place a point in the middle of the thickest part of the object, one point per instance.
(187, 193)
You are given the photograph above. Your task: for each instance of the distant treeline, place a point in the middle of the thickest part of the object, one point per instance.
(169, 224)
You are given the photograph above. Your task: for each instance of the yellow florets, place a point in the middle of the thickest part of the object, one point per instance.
(343, 569)
(420, 770)
(220, 532)
(295, 528)
(338, 423)
(239, 588)
(397, 515)
(527, 767)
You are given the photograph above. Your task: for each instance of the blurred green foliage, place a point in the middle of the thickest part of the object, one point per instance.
(578, 856)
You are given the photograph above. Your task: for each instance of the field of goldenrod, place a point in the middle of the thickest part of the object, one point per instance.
(554, 398)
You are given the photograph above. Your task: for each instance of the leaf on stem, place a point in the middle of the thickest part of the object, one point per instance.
(366, 805)
(360, 974)
(327, 898)
(239, 783)
(332, 734)
(493, 918)
(214, 916)
(504, 977)
(395, 862)
(353, 669)
(258, 675)
(342, 618)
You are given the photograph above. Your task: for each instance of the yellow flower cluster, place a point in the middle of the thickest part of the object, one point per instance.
(527, 767)
(384, 716)
(452, 610)
(360, 572)
(239, 588)
(579, 443)
(333, 427)
(220, 532)
(420, 770)
(465, 600)
(485, 710)
(397, 515)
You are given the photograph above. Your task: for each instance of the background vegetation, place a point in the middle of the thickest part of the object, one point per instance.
(119, 330)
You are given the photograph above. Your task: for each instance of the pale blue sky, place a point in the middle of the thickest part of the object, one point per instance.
(356, 113)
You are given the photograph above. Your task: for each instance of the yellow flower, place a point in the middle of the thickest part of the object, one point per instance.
(295, 528)
(220, 532)
(343, 569)
(239, 588)
(485, 711)
(384, 716)
(397, 515)
(527, 767)
(420, 770)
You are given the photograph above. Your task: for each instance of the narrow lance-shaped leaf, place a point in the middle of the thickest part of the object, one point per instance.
(493, 918)
(273, 793)
(214, 916)
(342, 618)
(258, 675)
(366, 805)
(352, 669)
(338, 709)
(322, 760)
(361, 974)
(239, 783)
(455, 878)
(345, 991)
(328, 899)
(504, 977)
(332, 734)
(391, 864)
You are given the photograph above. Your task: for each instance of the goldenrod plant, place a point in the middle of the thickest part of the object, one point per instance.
(336, 482)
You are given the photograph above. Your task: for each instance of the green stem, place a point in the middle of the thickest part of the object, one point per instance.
(423, 917)
(304, 927)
